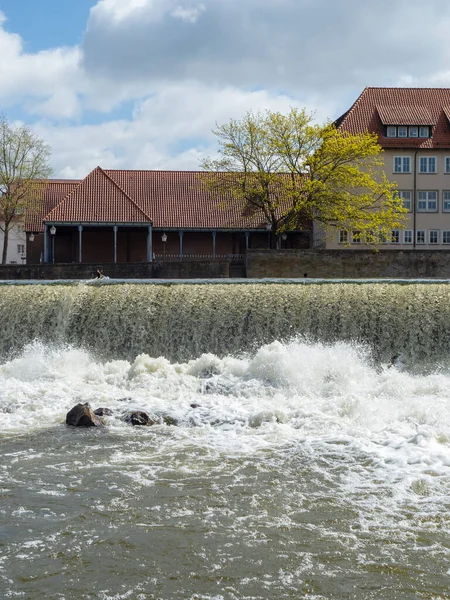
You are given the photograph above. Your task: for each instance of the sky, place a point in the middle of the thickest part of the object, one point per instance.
(142, 83)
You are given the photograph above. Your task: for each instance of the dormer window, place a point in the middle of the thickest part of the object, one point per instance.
(391, 131)
(407, 131)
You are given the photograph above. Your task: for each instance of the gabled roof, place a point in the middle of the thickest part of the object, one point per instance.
(377, 107)
(179, 199)
(406, 115)
(97, 199)
(53, 191)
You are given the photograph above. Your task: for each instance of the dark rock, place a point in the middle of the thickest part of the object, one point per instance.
(82, 415)
(169, 420)
(138, 417)
(103, 412)
(194, 405)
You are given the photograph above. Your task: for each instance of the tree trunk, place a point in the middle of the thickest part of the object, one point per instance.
(5, 245)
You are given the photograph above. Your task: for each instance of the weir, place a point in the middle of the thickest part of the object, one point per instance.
(402, 320)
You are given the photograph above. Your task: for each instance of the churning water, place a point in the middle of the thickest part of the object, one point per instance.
(309, 456)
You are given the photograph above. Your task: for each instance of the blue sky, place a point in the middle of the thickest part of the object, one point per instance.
(142, 83)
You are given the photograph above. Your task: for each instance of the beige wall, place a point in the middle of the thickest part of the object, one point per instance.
(425, 221)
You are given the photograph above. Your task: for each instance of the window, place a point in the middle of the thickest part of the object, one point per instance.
(433, 236)
(402, 132)
(391, 131)
(424, 132)
(19, 228)
(356, 237)
(20, 248)
(413, 131)
(427, 201)
(395, 239)
(446, 237)
(408, 236)
(402, 164)
(447, 164)
(343, 236)
(446, 201)
(427, 164)
(406, 196)
(420, 236)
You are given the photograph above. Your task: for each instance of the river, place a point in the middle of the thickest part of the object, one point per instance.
(309, 455)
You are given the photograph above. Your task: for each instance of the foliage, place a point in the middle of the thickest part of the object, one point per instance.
(294, 171)
(24, 160)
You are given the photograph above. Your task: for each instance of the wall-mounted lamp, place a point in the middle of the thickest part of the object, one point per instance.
(284, 236)
(268, 226)
(52, 230)
(164, 238)
(31, 237)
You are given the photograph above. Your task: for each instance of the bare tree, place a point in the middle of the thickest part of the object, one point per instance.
(24, 162)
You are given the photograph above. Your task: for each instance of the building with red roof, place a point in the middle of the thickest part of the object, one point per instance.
(134, 216)
(413, 128)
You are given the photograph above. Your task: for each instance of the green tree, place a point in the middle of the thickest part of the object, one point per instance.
(294, 171)
(24, 160)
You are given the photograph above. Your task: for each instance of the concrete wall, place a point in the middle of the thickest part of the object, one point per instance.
(336, 264)
(163, 270)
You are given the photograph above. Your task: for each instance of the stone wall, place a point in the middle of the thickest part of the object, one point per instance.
(162, 270)
(349, 264)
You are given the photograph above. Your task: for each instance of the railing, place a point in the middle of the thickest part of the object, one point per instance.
(199, 257)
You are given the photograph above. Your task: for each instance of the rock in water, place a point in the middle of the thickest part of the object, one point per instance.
(82, 415)
(103, 412)
(138, 417)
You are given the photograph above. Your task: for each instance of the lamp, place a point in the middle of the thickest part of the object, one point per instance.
(284, 236)
(52, 230)
(164, 238)
(31, 237)
(268, 226)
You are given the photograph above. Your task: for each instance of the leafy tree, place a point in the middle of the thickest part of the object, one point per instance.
(295, 171)
(24, 160)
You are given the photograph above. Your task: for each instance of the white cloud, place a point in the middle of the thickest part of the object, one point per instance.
(180, 66)
(50, 79)
(188, 14)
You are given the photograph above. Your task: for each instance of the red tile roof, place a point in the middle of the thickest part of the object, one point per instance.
(169, 199)
(179, 199)
(410, 106)
(53, 191)
(98, 199)
(406, 115)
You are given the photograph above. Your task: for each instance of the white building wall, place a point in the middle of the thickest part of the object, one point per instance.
(16, 245)
(435, 224)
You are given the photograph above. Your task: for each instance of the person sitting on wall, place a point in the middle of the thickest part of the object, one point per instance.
(99, 274)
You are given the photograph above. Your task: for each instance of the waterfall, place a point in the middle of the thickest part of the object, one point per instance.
(183, 320)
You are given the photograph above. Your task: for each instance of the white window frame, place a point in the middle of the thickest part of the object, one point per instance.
(395, 239)
(424, 131)
(406, 196)
(421, 236)
(20, 248)
(343, 236)
(446, 237)
(356, 240)
(424, 196)
(402, 131)
(408, 236)
(413, 131)
(433, 239)
(402, 162)
(446, 201)
(427, 164)
(391, 131)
